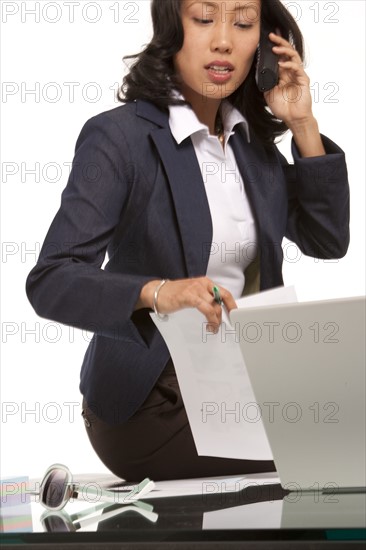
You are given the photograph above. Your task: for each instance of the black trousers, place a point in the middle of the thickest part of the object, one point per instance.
(157, 441)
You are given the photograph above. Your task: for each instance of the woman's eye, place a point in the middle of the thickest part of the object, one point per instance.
(243, 25)
(208, 21)
(202, 21)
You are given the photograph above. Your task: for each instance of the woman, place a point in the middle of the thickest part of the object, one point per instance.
(170, 185)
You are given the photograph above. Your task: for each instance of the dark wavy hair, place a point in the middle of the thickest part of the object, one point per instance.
(147, 77)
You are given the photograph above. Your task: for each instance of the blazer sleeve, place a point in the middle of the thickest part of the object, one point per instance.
(68, 284)
(318, 191)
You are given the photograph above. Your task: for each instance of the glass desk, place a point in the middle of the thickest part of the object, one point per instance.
(256, 517)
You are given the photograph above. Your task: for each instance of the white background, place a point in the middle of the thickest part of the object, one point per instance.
(40, 370)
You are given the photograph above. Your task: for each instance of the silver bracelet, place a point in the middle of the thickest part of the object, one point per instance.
(155, 301)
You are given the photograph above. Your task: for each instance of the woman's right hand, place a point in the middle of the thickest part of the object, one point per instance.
(185, 293)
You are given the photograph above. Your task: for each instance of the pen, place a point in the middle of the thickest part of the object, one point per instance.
(216, 294)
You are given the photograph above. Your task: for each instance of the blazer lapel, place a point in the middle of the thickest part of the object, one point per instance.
(262, 182)
(266, 190)
(187, 187)
(189, 196)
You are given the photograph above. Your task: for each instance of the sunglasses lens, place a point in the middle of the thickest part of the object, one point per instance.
(55, 487)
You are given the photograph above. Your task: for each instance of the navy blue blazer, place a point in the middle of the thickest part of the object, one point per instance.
(136, 194)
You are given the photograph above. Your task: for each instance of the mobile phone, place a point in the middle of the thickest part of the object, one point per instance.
(266, 74)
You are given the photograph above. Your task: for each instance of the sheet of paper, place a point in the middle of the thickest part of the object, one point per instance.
(210, 485)
(223, 414)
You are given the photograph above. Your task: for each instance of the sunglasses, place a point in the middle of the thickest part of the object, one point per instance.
(57, 488)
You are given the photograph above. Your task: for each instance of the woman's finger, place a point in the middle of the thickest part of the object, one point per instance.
(288, 52)
(293, 66)
(227, 299)
(278, 39)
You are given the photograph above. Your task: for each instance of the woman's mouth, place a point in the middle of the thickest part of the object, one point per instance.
(216, 68)
(219, 71)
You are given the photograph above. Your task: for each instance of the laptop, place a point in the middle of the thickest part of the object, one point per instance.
(306, 363)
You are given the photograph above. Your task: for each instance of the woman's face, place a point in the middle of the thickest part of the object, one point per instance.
(220, 40)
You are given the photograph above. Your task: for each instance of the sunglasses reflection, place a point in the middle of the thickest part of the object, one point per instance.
(62, 522)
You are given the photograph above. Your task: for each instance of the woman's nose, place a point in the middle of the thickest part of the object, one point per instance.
(221, 40)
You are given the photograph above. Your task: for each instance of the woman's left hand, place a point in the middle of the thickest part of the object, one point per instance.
(290, 100)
